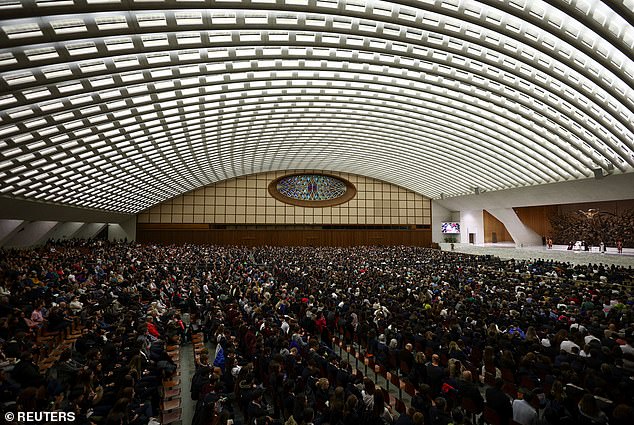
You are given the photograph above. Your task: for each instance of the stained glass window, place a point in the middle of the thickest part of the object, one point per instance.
(311, 187)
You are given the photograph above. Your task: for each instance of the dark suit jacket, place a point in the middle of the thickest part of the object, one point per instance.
(499, 401)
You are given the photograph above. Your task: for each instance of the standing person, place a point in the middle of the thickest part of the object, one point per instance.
(435, 375)
(497, 400)
(619, 246)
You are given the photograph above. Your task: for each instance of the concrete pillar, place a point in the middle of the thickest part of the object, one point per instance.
(64, 231)
(89, 230)
(8, 228)
(123, 230)
(30, 234)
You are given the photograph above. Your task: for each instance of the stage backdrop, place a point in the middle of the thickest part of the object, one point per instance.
(593, 222)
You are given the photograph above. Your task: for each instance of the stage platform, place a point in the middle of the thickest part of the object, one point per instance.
(558, 253)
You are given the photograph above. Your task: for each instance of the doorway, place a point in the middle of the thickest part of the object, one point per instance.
(472, 238)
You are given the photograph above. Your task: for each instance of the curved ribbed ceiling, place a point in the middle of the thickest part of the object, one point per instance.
(119, 105)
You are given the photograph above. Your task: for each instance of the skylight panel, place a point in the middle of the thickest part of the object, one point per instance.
(132, 76)
(154, 40)
(83, 48)
(316, 20)
(251, 18)
(146, 20)
(36, 93)
(224, 18)
(155, 58)
(20, 113)
(57, 72)
(17, 78)
(25, 30)
(116, 44)
(189, 18)
(92, 66)
(68, 26)
(38, 54)
(10, 4)
(188, 38)
(250, 36)
(67, 88)
(111, 22)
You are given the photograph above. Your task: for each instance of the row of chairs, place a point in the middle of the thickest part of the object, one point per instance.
(391, 377)
(171, 409)
(55, 343)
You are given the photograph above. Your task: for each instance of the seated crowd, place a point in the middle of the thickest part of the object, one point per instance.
(557, 338)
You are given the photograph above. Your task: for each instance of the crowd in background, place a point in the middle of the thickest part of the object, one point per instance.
(562, 333)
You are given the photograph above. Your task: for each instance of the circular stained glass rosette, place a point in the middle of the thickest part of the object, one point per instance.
(311, 187)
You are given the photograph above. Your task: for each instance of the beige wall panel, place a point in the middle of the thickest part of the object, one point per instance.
(246, 200)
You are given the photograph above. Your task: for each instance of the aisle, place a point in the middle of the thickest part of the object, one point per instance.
(187, 372)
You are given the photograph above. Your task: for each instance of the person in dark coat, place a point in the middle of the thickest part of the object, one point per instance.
(26, 373)
(467, 389)
(435, 375)
(497, 400)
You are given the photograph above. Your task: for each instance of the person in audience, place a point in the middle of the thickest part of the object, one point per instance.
(497, 400)
(589, 411)
(524, 411)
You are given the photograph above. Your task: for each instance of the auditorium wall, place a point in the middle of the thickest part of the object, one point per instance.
(242, 211)
(282, 236)
(246, 200)
(494, 229)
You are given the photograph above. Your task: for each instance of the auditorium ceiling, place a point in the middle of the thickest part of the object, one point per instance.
(118, 105)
